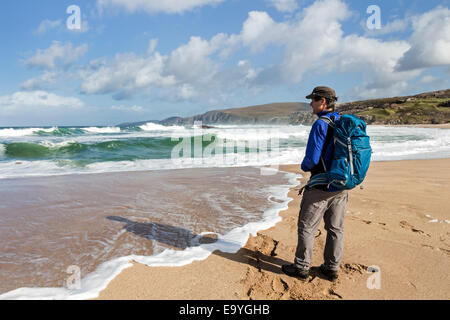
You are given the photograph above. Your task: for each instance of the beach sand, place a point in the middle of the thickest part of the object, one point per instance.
(398, 222)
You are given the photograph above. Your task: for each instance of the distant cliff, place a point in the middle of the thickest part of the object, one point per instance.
(273, 113)
(425, 108)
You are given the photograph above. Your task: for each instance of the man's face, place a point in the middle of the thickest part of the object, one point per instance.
(318, 105)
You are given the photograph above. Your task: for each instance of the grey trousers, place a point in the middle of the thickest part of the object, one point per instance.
(331, 206)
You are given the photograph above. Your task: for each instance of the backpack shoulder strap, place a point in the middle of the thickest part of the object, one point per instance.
(330, 121)
(328, 138)
(322, 178)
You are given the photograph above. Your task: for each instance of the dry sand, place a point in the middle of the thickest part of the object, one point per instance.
(397, 222)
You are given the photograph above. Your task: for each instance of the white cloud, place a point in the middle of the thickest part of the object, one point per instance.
(199, 71)
(47, 78)
(430, 42)
(184, 74)
(152, 46)
(429, 79)
(260, 30)
(307, 40)
(186, 92)
(375, 60)
(54, 63)
(366, 91)
(134, 108)
(126, 75)
(192, 63)
(56, 55)
(397, 25)
(156, 6)
(36, 101)
(47, 25)
(284, 5)
(323, 48)
(311, 43)
(245, 65)
(84, 26)
(195, 70)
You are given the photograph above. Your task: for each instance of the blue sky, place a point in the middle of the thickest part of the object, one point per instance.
(135, 60)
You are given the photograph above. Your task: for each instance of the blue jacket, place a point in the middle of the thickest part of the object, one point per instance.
(315, 145)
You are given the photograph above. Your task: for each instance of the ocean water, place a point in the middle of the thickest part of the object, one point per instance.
(28, 152)
(82, 202)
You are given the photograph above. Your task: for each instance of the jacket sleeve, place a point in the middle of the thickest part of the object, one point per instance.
(315, 144)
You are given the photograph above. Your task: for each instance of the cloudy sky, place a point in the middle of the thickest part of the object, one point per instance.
(135, 60)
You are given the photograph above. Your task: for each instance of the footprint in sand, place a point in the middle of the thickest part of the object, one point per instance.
(406, 225)
(351, 268)
(354, 270)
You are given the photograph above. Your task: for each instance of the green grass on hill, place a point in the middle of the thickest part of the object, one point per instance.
(419, 111)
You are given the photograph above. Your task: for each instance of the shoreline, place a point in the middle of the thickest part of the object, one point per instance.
(414, 260)
(231, 241)
(400, 213)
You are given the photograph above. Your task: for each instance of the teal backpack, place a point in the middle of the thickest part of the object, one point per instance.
(352, 154)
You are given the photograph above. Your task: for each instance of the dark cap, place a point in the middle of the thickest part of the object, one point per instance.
(323, 92)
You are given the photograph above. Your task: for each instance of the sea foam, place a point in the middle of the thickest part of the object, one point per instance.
(12, 132)
(102, 129)
(157, 127)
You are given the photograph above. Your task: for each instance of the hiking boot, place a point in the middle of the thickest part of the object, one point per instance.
(293, 271)
(331, 275)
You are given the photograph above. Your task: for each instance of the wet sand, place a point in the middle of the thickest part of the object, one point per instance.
(398, 223)
(48, 225)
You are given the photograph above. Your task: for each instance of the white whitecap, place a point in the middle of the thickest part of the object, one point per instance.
(56, 145)
(102, 129)
(14, 132)
(158, 127)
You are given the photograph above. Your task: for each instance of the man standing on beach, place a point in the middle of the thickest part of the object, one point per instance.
(321, 201)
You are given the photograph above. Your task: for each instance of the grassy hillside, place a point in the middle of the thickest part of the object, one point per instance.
(426, 108)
